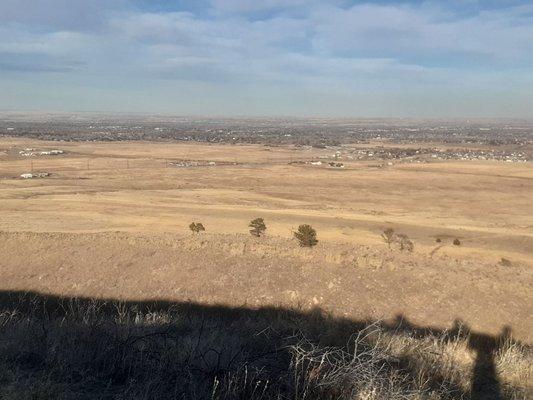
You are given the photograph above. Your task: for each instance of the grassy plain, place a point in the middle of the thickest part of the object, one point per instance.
(112, 221)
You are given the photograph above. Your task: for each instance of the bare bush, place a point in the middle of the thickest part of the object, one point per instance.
(388, 236)
(400, 239)
(404, 242)
(328, 372)
(53, 348)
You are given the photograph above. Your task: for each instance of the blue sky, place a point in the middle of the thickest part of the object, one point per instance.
(452, 58)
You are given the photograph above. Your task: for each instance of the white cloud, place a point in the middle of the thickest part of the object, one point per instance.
(296, 45)
(59, 43)
(408, 32)
(58, 14)
(247, 6)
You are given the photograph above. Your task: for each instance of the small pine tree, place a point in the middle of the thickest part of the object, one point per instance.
(258, 227)
(306, 235)
(196, 227)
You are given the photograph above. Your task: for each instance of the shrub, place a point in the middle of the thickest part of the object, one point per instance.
(438, 240)
(258, 227)
(306, 235)
(504, 262)
(401, 239)
(196, 227)
(456, 242)
(97, 349)
(404, 242)
(388, 236)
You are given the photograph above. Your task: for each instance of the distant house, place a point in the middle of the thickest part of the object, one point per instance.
(35, 175)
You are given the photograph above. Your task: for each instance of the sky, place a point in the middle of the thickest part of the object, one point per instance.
(331, 58)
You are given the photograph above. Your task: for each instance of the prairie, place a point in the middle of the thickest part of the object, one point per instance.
(112, 220)
(107, 229)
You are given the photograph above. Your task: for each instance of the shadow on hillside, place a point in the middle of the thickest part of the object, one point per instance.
(106, 344)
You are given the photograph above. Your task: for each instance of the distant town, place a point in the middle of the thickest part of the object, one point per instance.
(501, 140)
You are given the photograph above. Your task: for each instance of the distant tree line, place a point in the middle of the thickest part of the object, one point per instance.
(307, 236)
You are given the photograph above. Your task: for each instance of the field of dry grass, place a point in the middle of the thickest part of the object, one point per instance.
(111, 222)
(129, 186)
(123, 209)
(74, 348)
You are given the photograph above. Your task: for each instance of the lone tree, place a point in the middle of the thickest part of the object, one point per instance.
(388, 236)
(402, 240)
(306, 235)
(196, 227)
(258, 227)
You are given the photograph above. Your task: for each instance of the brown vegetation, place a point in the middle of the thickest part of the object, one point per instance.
(504, 262)
(68, 348)
(196, 227)
(109, 221)
(388, 236)
(400, 239)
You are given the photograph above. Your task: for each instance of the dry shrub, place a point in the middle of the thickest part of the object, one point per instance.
(82, 349)
(196, 227)
(388, 236)
(404, 242)
(514, 364)
(400, 239)
(504, 262)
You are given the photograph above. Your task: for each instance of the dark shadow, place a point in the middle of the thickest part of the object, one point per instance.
(485, 383)
(93, 333)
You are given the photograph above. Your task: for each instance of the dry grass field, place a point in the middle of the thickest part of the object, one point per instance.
(102, 187)
(111, 222)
